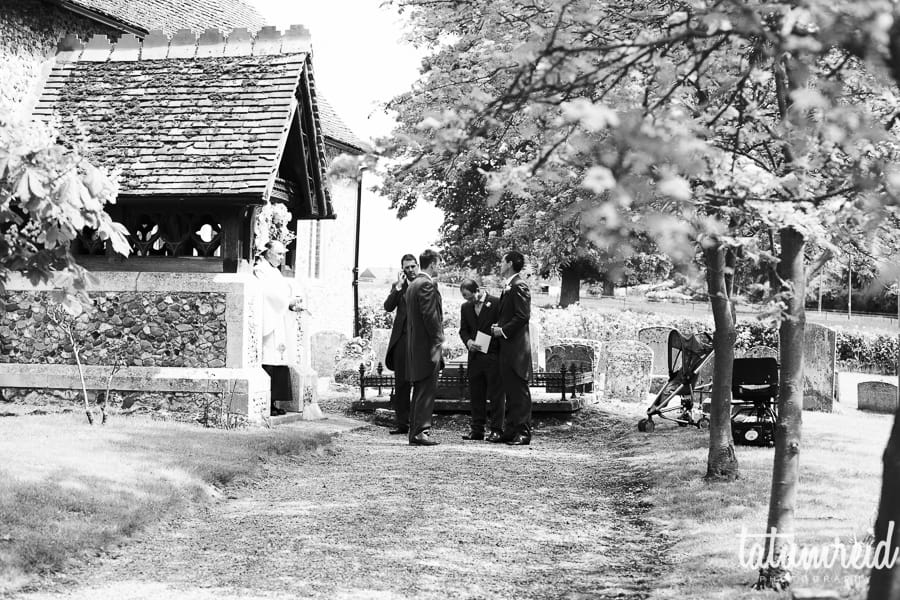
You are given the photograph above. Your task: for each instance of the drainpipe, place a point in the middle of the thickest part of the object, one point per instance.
(356, 253)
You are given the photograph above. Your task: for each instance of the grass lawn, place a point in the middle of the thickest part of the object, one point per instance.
(840, 484)
(68, 489)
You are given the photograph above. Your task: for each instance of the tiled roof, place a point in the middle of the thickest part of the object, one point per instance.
(172, 15)
(334, 128)
(180, 124)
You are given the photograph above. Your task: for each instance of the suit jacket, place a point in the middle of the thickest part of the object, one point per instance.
(470, 323)
(396, 300)
(515, 312)
(424, 328)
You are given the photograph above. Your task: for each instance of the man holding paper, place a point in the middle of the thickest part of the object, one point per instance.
(478, 313)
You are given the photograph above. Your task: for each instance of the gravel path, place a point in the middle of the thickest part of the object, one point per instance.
(375, 518)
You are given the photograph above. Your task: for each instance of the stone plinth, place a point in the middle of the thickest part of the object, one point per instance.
(243, 391)
(877, 396)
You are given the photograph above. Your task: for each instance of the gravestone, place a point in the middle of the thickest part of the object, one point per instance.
(598, 360)
(629, 365)
(820, 368)
(760, 352)
(380, 340)
(658, 340)
(325, 346)
(537, 356)
(877, 396)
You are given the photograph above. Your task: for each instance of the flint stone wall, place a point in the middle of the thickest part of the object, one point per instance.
(29, 32)
(141, 329)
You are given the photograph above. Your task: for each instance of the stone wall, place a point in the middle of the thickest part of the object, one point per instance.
(141, 329)
(188, 340)
(29, 31)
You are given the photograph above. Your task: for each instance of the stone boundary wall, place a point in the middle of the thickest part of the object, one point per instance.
(204, 320)
(140, 329)
(200, 331)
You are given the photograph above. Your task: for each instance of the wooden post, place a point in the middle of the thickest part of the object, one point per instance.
(562, 373)
(362, 381)
(232, 251)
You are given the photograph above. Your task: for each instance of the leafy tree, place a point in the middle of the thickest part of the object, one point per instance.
(49, 194)
(698, 124)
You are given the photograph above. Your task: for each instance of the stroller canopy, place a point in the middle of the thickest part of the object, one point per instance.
(687, 353)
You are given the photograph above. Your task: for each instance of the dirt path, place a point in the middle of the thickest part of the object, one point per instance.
(376, 518)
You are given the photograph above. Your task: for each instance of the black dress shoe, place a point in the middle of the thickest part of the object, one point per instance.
(276, 412)
(519, 440)
(495, 437)
(423, 439)
(474, 435)
(399, 431)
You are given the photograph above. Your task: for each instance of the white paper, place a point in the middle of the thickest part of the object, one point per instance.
(484, 340)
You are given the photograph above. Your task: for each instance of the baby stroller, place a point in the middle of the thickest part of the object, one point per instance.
(754, 393)
(687, 356)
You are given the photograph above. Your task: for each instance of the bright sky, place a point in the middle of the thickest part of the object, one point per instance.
(360, 63)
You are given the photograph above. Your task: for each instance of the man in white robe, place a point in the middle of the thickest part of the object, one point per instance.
(279, 323)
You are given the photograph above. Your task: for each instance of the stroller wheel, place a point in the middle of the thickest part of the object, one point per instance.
(751, 436)
(702, 423)
(646, 425)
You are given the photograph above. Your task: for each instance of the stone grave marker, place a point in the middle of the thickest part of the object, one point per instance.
(760, 352)
(537, 355)
(325, 346)
(658, 340)
(380, 340)
(877, 396)
(629, 365)
(820, 368)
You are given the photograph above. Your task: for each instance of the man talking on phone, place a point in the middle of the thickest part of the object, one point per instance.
(395, 360)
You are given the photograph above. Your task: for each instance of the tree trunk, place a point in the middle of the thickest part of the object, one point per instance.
(774, 573)
(721, 463)
(884, 583)
(570, 289)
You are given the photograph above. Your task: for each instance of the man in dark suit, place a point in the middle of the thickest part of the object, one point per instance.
(425, 340)
(395, 360)
(515, 350)
(479, 311)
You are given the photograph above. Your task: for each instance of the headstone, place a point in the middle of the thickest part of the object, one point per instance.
(537, 356)
(628, 370)
(820, 367)
(380, 340)
(658, 340)
(760, 352)
(877, 396)
(354, 352)
(325, 347)
(598, 360)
